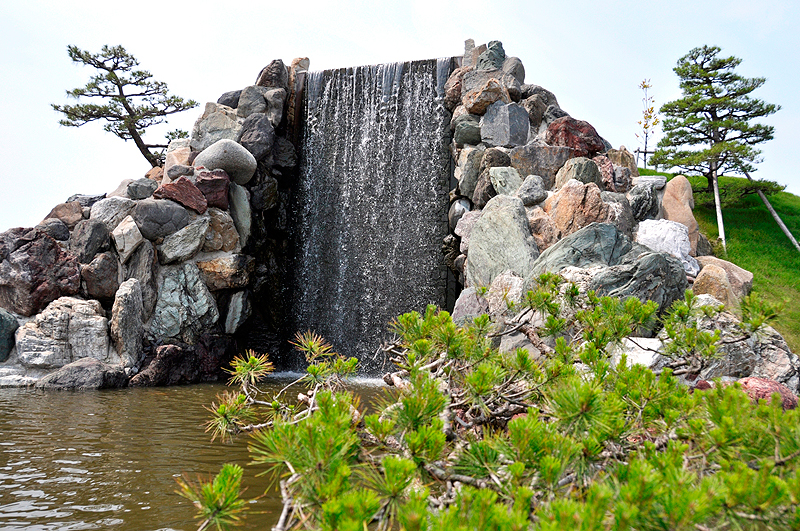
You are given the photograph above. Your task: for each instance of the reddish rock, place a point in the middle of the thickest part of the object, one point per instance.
(762, 388)
(70, 213)
(577, 134)
(452, 88)
(214, 187)
(34, 271)
(575, 206)
(607, 171)
(543, 229)
(477, 101)
(183, 191)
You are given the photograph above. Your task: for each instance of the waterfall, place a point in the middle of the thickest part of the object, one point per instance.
(370, 205)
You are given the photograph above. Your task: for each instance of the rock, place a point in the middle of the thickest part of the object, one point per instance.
(34, 271)
(658, 182)
(154, 174)
(68, 329)
(544, 231)
(575, 206)
(121, 190)
(613, 265)
(227, 155)
(553, 113)
(227, 272)
(622, 179)
(183, 191)
(99, 279)
(275, 99)
(216, 123)
(493, 58)
(143, 266)
(528, 90)
(475, 81)
(127, 324)
(69, 213)
(494, 158)
(607, 171)
(251, 100)
(240, 211)
(178, 170)
(112, 210)
(638, 350)
(505, 180)
(471, 52)
(177, 365)
(89, 237)
(532, 191)
(274, 75)
(230, 99)
(514, 67)
(185, 243)
(677, 205)
(763, 389)
(87, 200)
(127, 237)
(142, 188)
(55, 228)
(577, 134)
(8, 325)
(501, 240)
(509, 344)
(504, 292)
(505, 124)
(484, 191)
(644, 202)
(451, 253)
(257, 135)
(157, 218)
(623, 157)
(179, 154)
(537, 158)
(704, 247)
(458, 208)
(221, 234)
(83, 375)
(478, 101)
(452, 88)
(741, 280)
(468, 169)
(283, 154)
(713, 280)
(535, 106)
(214, 186)
(239, 311)
(469, 305)
(464, 227)
(185, 308)
(467, 130)
(668, 237)
(581, 169)
(619, 212)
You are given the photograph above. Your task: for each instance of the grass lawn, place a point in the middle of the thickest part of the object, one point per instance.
(756, 243)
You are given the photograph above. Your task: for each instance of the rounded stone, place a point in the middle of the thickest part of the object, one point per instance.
(238, 163)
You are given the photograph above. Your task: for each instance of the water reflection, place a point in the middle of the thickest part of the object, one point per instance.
(108, 459)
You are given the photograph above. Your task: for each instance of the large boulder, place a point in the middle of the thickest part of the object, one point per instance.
(514, 67)
(576, 134)
(623, 157)
(183, 191)
(581, 169)
(544, 231)
(241, 213)
(34, 271)
(452, 88)
(478, 101)
(464, 227)
(619, 212)
(644, 201)
(741, 280)
(185, 243)
(8, 326)
(127, 324)
(83, 375)
(532, 191)
(157, 218)
(264, 101)
(763, 389)
(69, 213)
(258, 135)
(216, 123)
(274, 75)
(180, 365)
(504, 292)
(227, 155)
(112, 210)
(677, 205)
(143, 266)
(505, 124)
(127, 237)
(221, 234)
(467, 130)
(185, 308)
(89, 237)
(501, 240)
(230, 98)
(505, 180)
(575, 206)
(214, 186)
(468, 169)
(492, 58)
(668, 237)
(469, 305)
(68, 329)
(713, 280)
(537, 158)
(142, 188)
(227, 272)
(55, 228)
(99, 278)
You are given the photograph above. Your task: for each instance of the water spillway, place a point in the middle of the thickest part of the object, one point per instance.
(370, 205)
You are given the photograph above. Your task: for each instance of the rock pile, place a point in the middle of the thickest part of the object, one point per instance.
(150, 282)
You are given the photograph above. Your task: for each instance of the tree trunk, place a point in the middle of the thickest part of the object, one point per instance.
(775, 215)
(720, 224)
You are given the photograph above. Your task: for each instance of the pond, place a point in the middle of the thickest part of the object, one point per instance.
(109, 459)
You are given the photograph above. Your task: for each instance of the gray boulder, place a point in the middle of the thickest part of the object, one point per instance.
(532, 191)
(501, 240)
(493, 58)
(537, 158)
(230, 99)
(127, 237)
(89, 237)
(127, 319)
(143, 266)
(474, 81)
(112, 210)
(238, 163)
(8, 325)
(513, 66)
(284, 154)
(86, 200)
(157, 218)
(55, 228)
(644, 201)
(251, 100)
(505, 180)
(83, 375)
(458, 208)
(274, 75)
(239, 311)
(99, 278)
(468, 169)
(619, 212)
(185, 243)
(467, 130)
(670, 237)
(505, 124)
(144, 187)
(464, 227)
(185, 308)
(216, 123)
(257, 136)
(581, 169)
(240, 211)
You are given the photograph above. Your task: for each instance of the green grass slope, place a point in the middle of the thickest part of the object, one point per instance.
(756, 243)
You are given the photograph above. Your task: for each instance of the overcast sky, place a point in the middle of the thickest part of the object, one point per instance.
(591, 54)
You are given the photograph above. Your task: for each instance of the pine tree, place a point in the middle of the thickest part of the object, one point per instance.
(709, 131)
(132, 100)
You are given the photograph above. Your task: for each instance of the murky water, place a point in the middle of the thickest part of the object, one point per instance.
(109, 459)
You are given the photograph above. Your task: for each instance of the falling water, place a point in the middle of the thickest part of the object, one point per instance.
(371, 202)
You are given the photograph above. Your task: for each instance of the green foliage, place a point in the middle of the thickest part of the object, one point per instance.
(131, 101)
(248, 369)
(218, 501)
(734, 191)
(709, 129)
(650, 118)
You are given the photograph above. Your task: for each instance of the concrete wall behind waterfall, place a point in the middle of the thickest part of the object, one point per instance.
(371, 202)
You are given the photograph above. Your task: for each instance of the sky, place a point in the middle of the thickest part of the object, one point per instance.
(592, 55)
